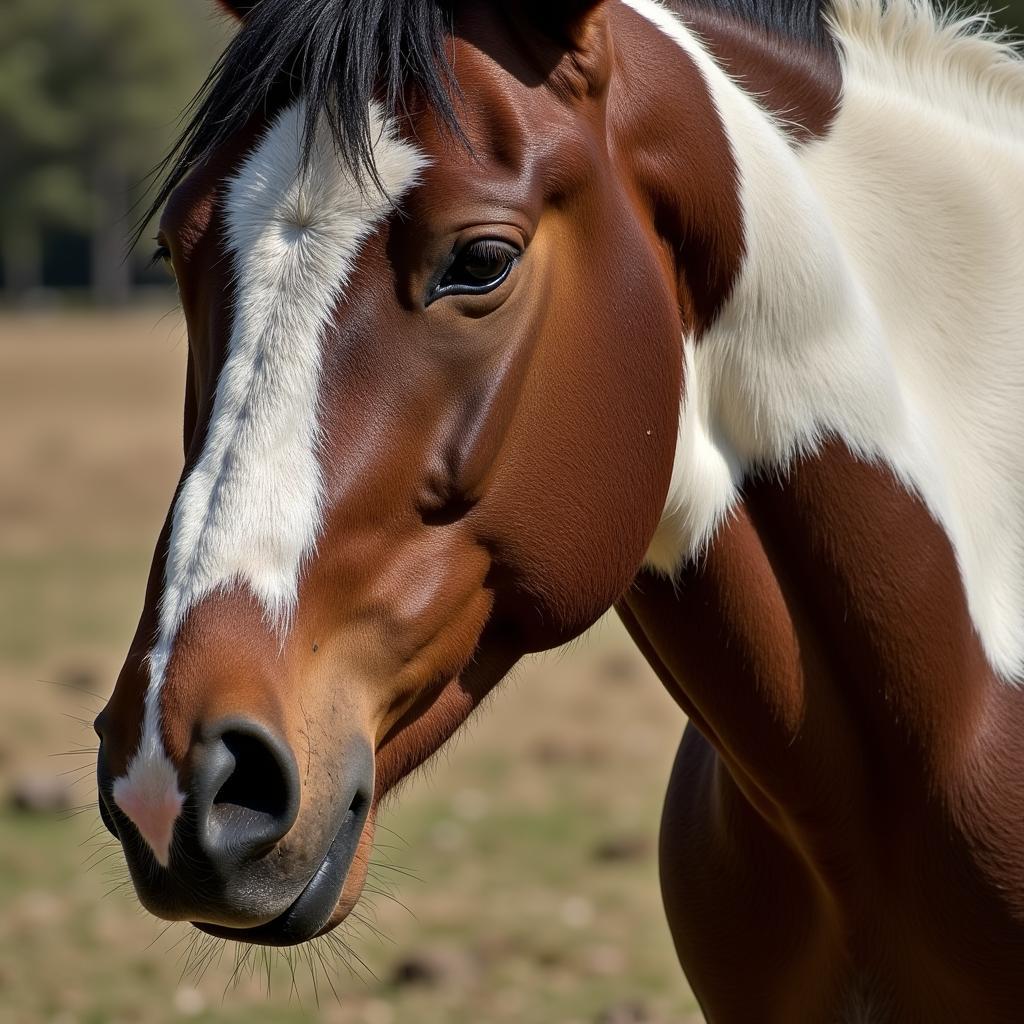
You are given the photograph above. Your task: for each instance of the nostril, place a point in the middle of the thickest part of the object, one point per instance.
(246, 789)
(258, 781)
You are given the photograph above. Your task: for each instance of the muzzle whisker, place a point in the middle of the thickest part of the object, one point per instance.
(101, 860)
(120, 887)
(82, 772)
(373, 891)
(253, 961)
(387, 846)
(98, 839)
(289, 956)
(83, 722)
(163, 931)
(242, 954)
(99, 698)
(397, 868)
(99, 832)
(384, 828)
(268, 961)
(307, 955)
(359, 960)
(342, 954)
(191, 939)
(189, 953)
(187, 936)
(73, 812)
(213, 956)
(199, 958)
(327, 965)
(117, 873)
(382, 937)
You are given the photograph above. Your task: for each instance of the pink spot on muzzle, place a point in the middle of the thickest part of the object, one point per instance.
(149, 796)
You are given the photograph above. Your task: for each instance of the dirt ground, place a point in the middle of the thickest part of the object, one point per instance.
(516, 880)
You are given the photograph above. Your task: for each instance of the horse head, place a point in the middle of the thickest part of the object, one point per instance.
(435, 371)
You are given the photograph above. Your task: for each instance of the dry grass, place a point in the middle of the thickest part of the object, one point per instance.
(532, 841)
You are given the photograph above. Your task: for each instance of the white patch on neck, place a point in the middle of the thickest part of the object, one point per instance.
(250, 511)
(879, 301)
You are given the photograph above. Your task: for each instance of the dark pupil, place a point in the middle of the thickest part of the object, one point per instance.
(480, 264)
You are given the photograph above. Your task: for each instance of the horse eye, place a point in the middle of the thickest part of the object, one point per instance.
(162, 254)
(478, 268)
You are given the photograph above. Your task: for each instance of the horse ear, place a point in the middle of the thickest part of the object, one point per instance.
(575, 21)
(239, 8)
(582, 27)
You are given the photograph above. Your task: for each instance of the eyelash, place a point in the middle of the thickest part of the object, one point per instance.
(160, 255)
(489, 247)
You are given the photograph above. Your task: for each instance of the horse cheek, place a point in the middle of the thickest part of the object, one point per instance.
(587, 466)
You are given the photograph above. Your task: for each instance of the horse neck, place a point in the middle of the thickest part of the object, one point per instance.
(861, 348)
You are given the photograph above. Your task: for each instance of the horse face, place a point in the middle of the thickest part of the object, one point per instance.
(428, 429)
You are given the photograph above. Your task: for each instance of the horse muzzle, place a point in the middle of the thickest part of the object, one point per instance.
(250, 855)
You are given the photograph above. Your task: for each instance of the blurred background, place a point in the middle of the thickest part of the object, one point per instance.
(516, 880)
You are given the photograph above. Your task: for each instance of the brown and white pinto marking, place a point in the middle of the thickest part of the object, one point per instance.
(714, 321)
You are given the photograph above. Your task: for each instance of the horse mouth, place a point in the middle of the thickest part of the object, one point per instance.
(310, 914)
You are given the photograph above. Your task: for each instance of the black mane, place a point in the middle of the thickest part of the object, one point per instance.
(803, 20)
(337, 54)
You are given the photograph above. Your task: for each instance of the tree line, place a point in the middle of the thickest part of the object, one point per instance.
(89, 95)
(90, 92)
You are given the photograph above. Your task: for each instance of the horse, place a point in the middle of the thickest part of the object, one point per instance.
(501, 316)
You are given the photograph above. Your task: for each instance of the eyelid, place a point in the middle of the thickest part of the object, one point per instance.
(160, 253)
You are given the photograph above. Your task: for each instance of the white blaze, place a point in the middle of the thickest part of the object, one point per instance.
(250, 511)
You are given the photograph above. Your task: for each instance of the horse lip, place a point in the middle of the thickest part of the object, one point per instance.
(309, 913)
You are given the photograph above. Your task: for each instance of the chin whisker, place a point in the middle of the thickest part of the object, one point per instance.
(242, 955)
(289, 956)
(317, 947)
(307, 955)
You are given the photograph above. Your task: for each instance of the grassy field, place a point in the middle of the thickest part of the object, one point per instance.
(515, 881)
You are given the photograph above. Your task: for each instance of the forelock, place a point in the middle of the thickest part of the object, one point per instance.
(338, 56)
